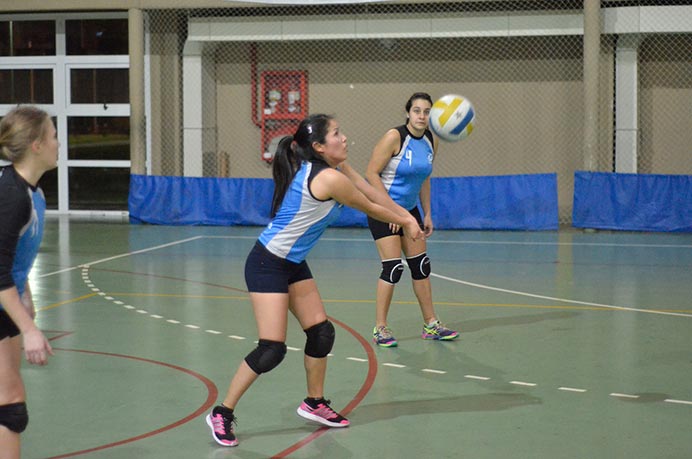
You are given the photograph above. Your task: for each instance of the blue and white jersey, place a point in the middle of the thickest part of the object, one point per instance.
(22, 213)
(301, 219)
(406, 171)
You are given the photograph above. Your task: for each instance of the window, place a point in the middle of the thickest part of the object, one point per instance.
(26, 86)
(98, 138)
(49, 185)
(102, 188)
(99, 86)
(96, 36)
(77, 69)
(27, 38)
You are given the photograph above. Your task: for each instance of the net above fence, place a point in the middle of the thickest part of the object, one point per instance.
(226, 84)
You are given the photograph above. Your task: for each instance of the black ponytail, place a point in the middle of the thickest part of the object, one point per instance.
(295, 149)
(284, 168)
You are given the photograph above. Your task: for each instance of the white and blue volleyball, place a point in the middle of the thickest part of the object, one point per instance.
(452, 117)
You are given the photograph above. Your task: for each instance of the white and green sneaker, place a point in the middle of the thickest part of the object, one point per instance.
(382, 336)
(435, 330)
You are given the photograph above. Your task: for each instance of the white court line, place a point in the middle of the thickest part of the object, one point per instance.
(481, 378)
(522, 383)
(293, 348)
(487, 287)
(527, 243)
(571, 389)
(683, 402)
(122, 255)
(619, 395)
(395, 365)
(432, 241)
(531, 295)
(430, 370)
(564, 300)
(356, 359)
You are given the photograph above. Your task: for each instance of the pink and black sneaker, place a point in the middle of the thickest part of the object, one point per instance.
(318, 410)
(220, 421)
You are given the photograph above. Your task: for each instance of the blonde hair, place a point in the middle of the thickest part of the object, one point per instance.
(18, 129)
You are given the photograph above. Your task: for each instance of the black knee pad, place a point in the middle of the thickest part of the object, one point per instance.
(14, 416)
(392, 270)
(266, 356)
(320, 339)
(419, 266)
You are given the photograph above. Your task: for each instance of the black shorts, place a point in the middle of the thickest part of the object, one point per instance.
(380, 229)
(7, 326)
(267, 273)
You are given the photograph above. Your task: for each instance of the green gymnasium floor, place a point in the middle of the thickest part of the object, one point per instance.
(573, 345)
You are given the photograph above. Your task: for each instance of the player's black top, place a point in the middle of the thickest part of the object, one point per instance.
(22, 209)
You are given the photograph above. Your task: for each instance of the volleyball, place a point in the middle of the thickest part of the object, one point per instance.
(452, 117)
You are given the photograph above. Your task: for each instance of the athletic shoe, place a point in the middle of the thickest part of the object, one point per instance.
(320, 411)
(437, 331)
(221, 421)
(382, 336)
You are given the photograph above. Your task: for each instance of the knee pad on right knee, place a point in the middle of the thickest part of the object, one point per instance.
(266, 356)
(14, 416)
(419, 266)
(392, 270)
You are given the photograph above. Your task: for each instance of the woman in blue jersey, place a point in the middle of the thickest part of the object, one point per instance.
(28, 141)
(401, 164)
(312, 182)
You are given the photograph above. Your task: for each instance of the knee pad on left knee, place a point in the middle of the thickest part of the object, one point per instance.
(320, 339)
(14, 416)
(266, 356)
(419, 266)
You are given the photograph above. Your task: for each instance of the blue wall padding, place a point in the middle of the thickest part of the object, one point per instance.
(167, 200)
(505, 202)
(632, 202)
(516, 202)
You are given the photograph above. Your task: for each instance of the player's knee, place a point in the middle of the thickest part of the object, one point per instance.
(266, 356)
(392, 270)
(320, 339)
(14, 416)
(419, 266)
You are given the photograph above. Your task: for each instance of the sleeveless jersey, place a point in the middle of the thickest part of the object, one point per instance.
(406, 171)
(301, 219)
(22, 211)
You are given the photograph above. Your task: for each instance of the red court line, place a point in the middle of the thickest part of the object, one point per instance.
(212, 394)
(364, 389)
(57, 334)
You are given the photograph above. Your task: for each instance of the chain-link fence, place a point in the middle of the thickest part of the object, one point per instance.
(251, 72)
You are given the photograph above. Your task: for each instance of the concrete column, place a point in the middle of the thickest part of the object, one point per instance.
(137, 118)
(626, 103)
(199, 108)
(592, 46)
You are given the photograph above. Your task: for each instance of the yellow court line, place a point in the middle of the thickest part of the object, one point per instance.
(509, 305)
(441, 303)
(177, 295)
(490, 305)
(73, 300)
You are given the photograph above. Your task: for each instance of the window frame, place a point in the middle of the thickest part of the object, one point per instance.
(62, 108)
